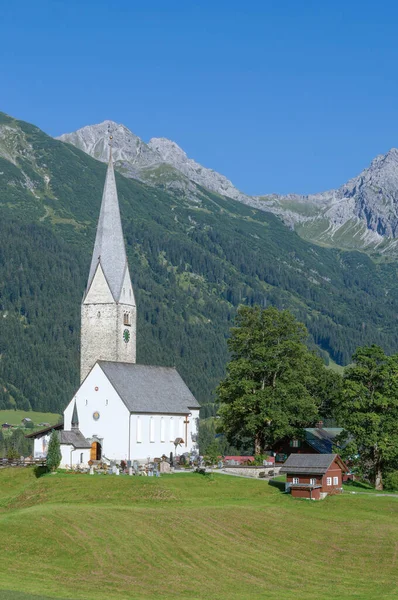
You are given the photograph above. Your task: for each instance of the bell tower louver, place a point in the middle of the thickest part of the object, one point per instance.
(108, 312)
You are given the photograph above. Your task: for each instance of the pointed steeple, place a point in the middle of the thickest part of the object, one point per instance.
(109, 248)
(75, 418)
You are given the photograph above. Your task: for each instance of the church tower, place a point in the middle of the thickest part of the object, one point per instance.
(108, 312)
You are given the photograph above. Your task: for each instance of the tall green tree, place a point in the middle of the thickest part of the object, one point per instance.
(272, 387)
(368, 411)
(54, 455)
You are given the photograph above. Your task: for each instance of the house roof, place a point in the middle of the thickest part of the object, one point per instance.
(310, 463)
(149, 389)
(74, 438)
(41, 432)
(322, 439)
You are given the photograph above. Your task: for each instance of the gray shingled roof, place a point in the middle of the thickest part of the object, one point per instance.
(109, 248)
(74, 437)
(149, 389)
(308, 463)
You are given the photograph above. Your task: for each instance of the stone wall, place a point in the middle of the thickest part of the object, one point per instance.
(252, 471)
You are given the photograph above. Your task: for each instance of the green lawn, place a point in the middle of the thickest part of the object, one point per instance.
(189, 536)
(14, 417)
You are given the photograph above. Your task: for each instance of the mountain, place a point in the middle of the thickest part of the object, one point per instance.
(362, 214)
(192, 262)
(161, 162)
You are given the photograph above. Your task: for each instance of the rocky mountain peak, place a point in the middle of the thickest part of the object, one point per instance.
(127, 148)
(168, 150)
(362, 213)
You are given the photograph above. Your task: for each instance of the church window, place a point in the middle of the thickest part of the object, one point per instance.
(151, 429)
(162, 430)
(139, 430)
(106, 402)
(172, 436)
(86, 402)
(126, 318)
(98, 314)
(81, 458)
(181, 427)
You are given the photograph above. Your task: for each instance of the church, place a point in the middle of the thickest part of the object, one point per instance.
(122, 410)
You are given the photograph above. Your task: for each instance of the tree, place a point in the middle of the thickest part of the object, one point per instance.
(54, 455)
(368, 411)
(272, 388)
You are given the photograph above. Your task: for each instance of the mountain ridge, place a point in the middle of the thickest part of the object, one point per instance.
(361, 214)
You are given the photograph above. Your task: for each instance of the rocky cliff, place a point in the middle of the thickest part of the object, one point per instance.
(361, 214)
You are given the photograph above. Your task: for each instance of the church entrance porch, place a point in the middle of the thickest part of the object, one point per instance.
(96, 451)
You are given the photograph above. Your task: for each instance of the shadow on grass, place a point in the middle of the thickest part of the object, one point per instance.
(41, 470)
(280, 485)
(358, 486)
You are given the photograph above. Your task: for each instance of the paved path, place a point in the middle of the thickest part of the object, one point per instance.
(377, 494)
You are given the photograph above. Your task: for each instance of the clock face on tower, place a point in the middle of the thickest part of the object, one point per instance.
(126, 335)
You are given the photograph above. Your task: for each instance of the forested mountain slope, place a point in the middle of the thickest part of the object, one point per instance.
(191, 263)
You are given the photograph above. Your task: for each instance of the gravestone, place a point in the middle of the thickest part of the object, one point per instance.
(164, 467)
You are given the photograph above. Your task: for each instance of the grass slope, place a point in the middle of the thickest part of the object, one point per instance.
(14, 417)
(191, 537)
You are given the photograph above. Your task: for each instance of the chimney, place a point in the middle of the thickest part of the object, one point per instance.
(319, 425)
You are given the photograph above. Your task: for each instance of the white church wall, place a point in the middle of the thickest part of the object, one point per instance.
(97, 395)
(74, 456)
(153, 435)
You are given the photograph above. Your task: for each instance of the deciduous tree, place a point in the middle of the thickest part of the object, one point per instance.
(368, 411)
(272, 387)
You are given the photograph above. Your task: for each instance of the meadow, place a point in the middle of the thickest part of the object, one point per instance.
(14, 417)
(189, 536)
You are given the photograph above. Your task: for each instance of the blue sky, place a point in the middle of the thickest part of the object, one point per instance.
(280, 96)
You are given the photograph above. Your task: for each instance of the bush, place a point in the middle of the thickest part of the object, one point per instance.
(391, 481)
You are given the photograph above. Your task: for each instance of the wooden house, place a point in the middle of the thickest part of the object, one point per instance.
(317, 440)
(313, 476)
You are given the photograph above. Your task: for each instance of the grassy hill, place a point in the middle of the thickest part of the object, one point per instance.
(14, 417)
(188, 536)
(192, 263)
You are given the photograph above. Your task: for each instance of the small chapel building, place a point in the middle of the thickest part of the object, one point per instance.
(122, 410)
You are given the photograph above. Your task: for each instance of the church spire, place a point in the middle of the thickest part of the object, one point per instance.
(75, 418)
(109, 248)
(108, 311)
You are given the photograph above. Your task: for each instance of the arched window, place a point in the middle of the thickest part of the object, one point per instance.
(126, 319)
(139, 431)
(172, 435)
(81, 458)
(162, 429)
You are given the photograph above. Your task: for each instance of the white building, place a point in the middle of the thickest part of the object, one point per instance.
(122, 410)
